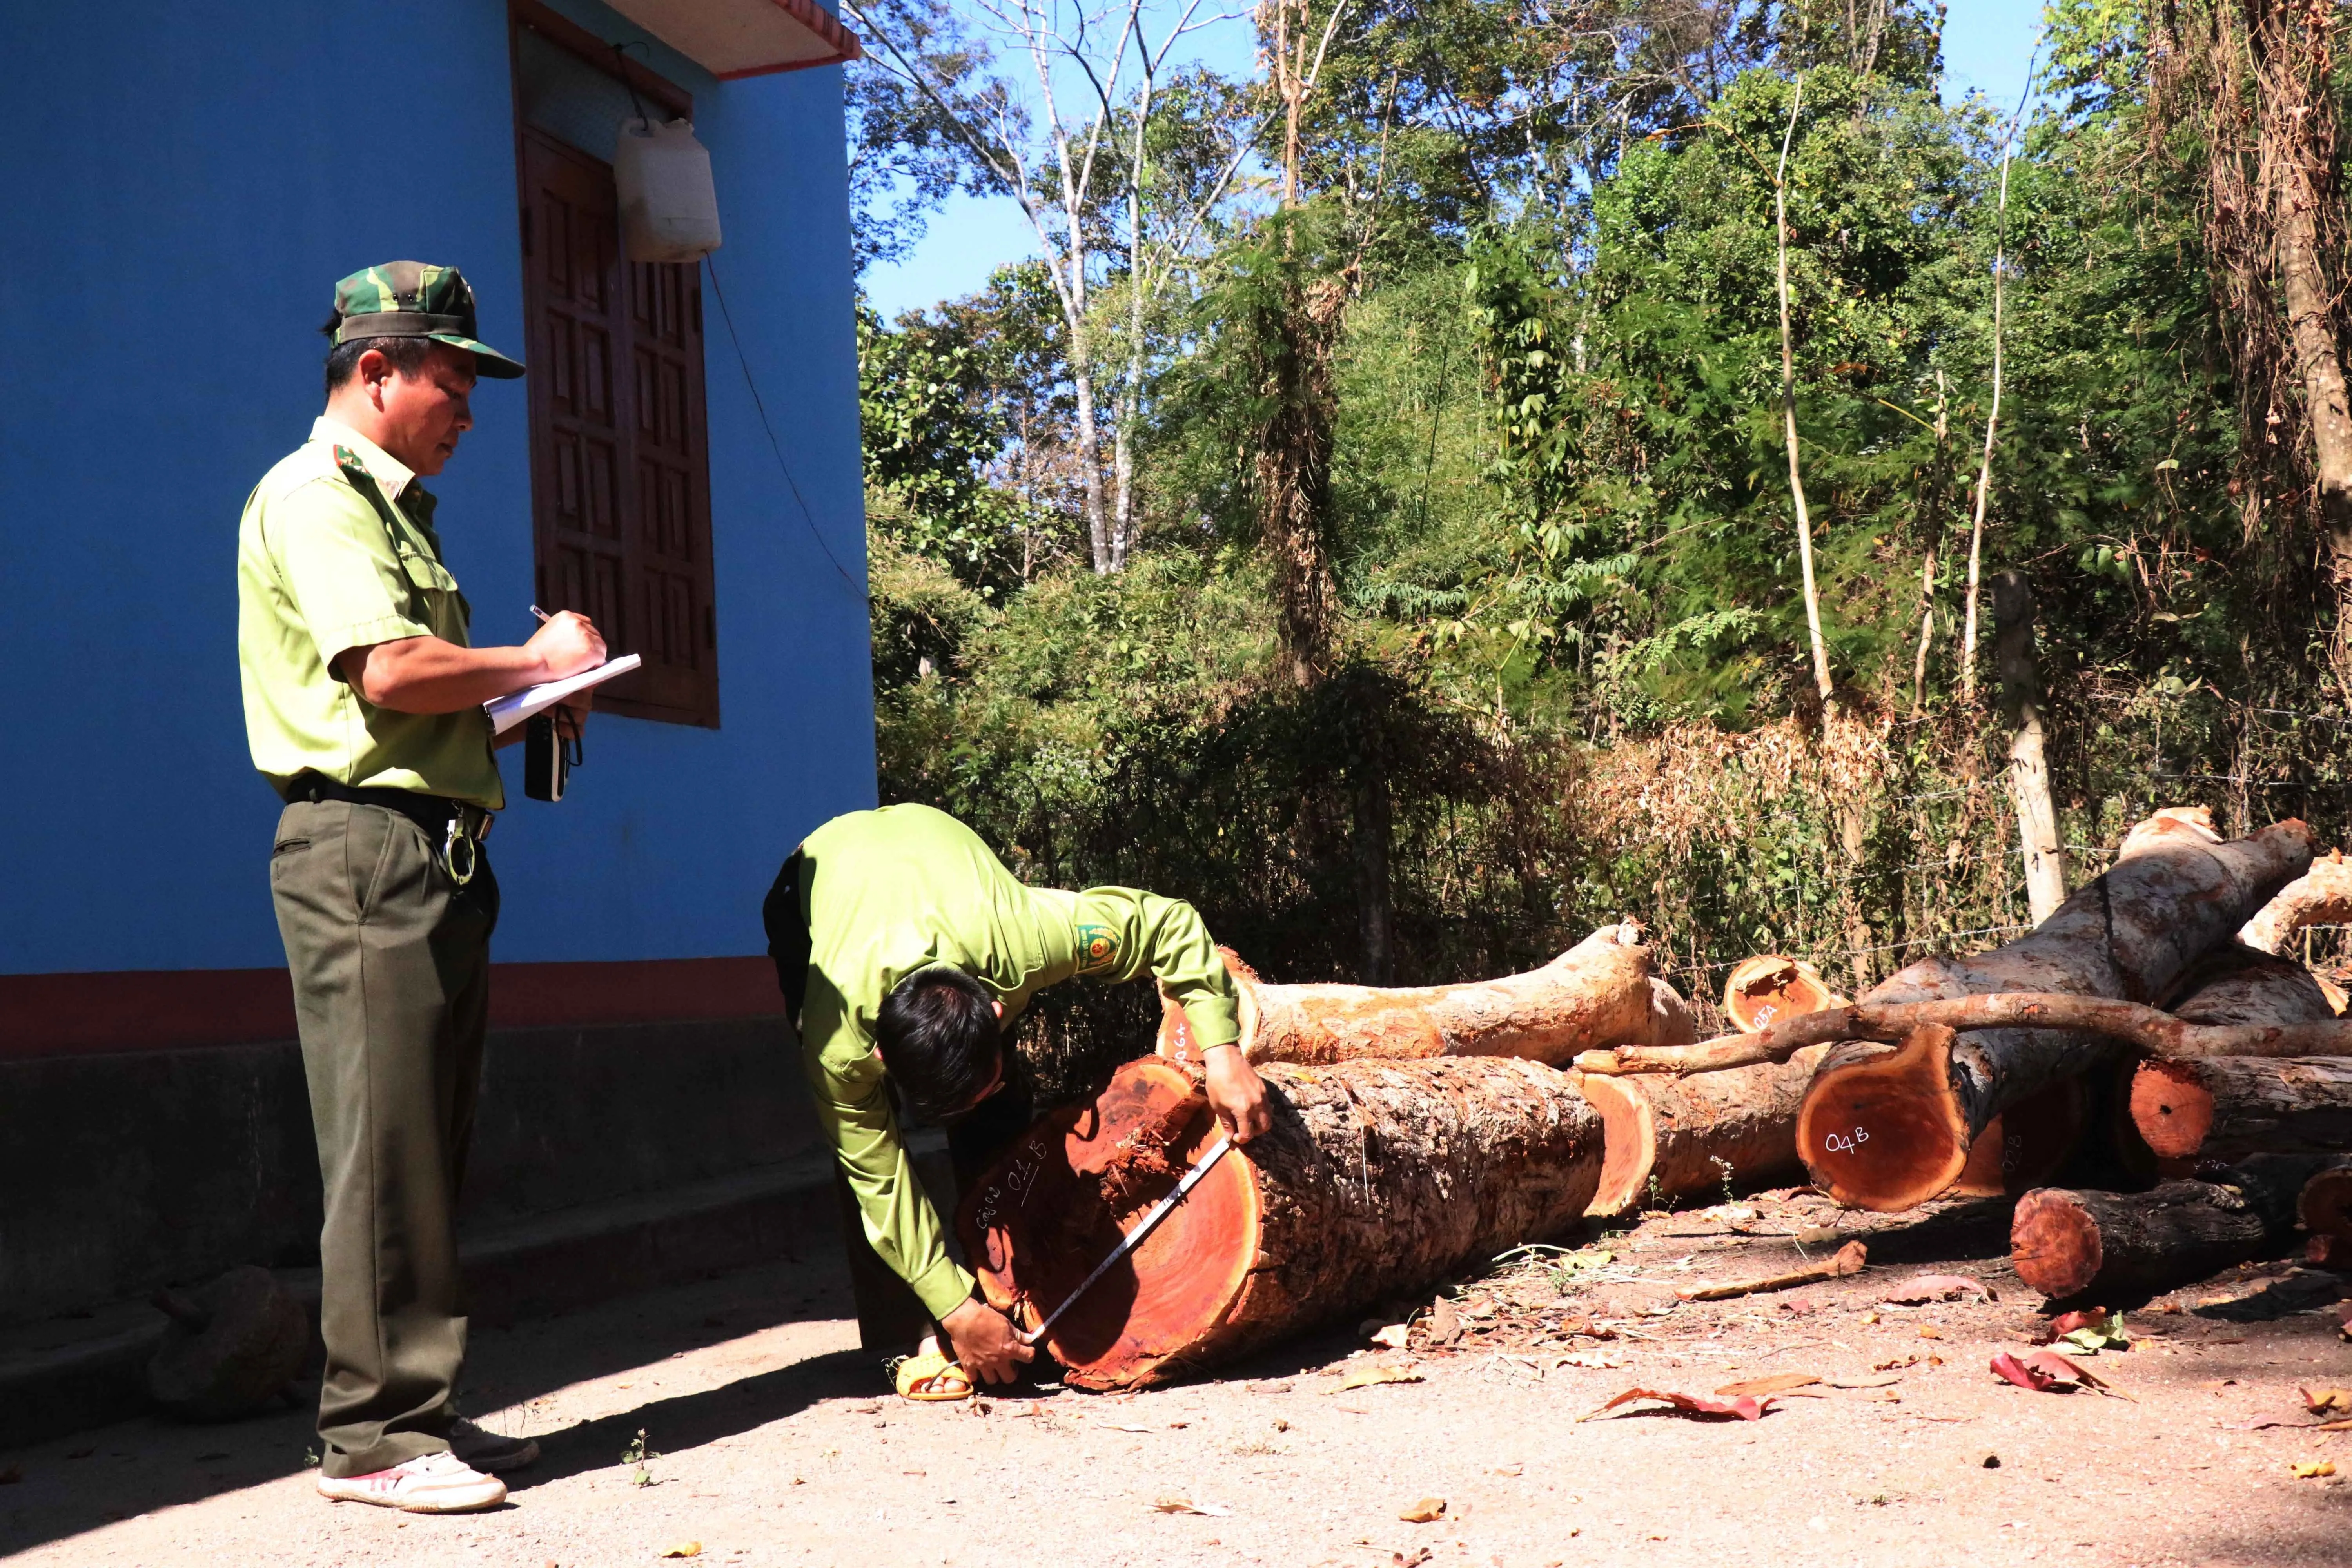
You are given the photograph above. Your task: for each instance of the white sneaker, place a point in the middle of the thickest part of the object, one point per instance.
(431, 1483)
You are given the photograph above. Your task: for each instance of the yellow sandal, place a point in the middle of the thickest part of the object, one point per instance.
(931, 1376)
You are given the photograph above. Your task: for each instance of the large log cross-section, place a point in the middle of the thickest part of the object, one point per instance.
(1378, 1179)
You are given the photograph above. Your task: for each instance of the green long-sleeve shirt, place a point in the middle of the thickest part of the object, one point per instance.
(891, 892)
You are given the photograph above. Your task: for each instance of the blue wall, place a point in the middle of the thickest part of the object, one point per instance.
(183, 186)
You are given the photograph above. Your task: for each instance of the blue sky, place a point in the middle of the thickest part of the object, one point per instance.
(1986, 47)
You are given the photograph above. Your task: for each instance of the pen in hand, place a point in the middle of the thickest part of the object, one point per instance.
(543, 615)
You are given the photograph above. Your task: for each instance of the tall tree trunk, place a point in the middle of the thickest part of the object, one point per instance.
(1293, 467)
(2028, 768)
(2297, 136)
(1821, 682)
(1992, 427)
(1375, 898)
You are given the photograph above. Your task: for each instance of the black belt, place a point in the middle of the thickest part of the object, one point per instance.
(447, 823)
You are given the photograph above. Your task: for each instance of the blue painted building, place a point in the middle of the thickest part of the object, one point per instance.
(183, 186)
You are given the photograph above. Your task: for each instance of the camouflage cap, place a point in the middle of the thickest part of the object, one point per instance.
(413, 300)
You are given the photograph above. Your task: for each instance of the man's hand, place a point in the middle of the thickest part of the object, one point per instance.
(986, 1344)
(567, 644)
(1237, 1093)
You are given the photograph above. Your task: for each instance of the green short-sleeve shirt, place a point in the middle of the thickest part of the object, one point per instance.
(336, 551)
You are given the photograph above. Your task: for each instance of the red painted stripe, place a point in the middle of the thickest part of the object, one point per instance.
(165, 1009)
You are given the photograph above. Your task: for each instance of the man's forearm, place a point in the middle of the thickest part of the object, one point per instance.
(427, 675)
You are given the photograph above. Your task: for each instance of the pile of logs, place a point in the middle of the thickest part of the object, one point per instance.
(1420, 1131)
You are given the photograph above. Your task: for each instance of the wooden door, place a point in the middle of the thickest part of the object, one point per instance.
(620, 454)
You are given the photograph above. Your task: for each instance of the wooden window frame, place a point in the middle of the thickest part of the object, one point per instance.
(691, 696)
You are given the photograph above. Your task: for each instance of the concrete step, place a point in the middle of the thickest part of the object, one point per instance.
(88, 1370)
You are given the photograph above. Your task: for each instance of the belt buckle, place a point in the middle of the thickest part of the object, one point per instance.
(456, 835)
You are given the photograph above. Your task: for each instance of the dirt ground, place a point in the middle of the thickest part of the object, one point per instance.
(769, 1440)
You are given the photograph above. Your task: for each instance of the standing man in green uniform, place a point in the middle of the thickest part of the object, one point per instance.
(363, 709)
(905, 951)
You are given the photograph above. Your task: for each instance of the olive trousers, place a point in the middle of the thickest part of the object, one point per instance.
(390, 960)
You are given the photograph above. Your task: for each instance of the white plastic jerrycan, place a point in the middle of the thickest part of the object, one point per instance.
(670, 209)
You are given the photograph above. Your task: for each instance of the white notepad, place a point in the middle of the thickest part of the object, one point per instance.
(511, 710)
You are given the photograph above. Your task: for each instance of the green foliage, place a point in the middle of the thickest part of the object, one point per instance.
(1573, 647)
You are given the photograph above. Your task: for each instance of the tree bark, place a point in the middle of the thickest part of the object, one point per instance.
(2128, 935)
(1765, 989)
(1378, 1179)
(2028, 768)
(1603, 990)
(2321, 896)
(2293, 116)
(2224, 1108)
(2127, 1022)
(2073, 1244)
(2241, 987)
(1674, 1132)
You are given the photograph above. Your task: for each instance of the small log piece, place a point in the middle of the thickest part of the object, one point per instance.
(2069, 1244)
(1604, 991)
(1378, 1179)
(1762, 990)
(2326, 1209)
(2321, 896)
(2224, 1108)
(2128, 935)
(1671, 1132)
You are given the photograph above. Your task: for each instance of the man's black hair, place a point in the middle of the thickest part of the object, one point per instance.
(942, 1040)
(409, 355)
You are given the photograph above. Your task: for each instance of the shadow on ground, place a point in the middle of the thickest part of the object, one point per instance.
(91, 1478)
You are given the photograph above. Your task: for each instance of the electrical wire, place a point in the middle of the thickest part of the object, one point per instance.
(807, 517)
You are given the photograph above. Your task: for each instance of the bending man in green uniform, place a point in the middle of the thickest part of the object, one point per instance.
(906, 951)
(363, 709)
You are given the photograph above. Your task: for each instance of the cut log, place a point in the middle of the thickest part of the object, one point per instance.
(2129, 935)
(2127, 1023)
(2169, 826)
(1604, 991)
(2025, 1145)
(2244, 986)
(2325, 1207)
(2069, 1244)
(1665, 1135)
(2321, 896)
(2223, 1107)
(1764, 989)
(1378, 1179)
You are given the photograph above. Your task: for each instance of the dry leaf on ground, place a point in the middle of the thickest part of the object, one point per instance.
(1392, 1336)
(1444, 1323)
(1921, 1288)
(1593, 1361)
(2310, 1472)
(1778, 1382)
(1420, 1554)
(685, 1549)
(1186, 1505)
(2327, 1400)
(1365, 1377)
(1427, 1511)
(1744, 1408)
(2046, 1371)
